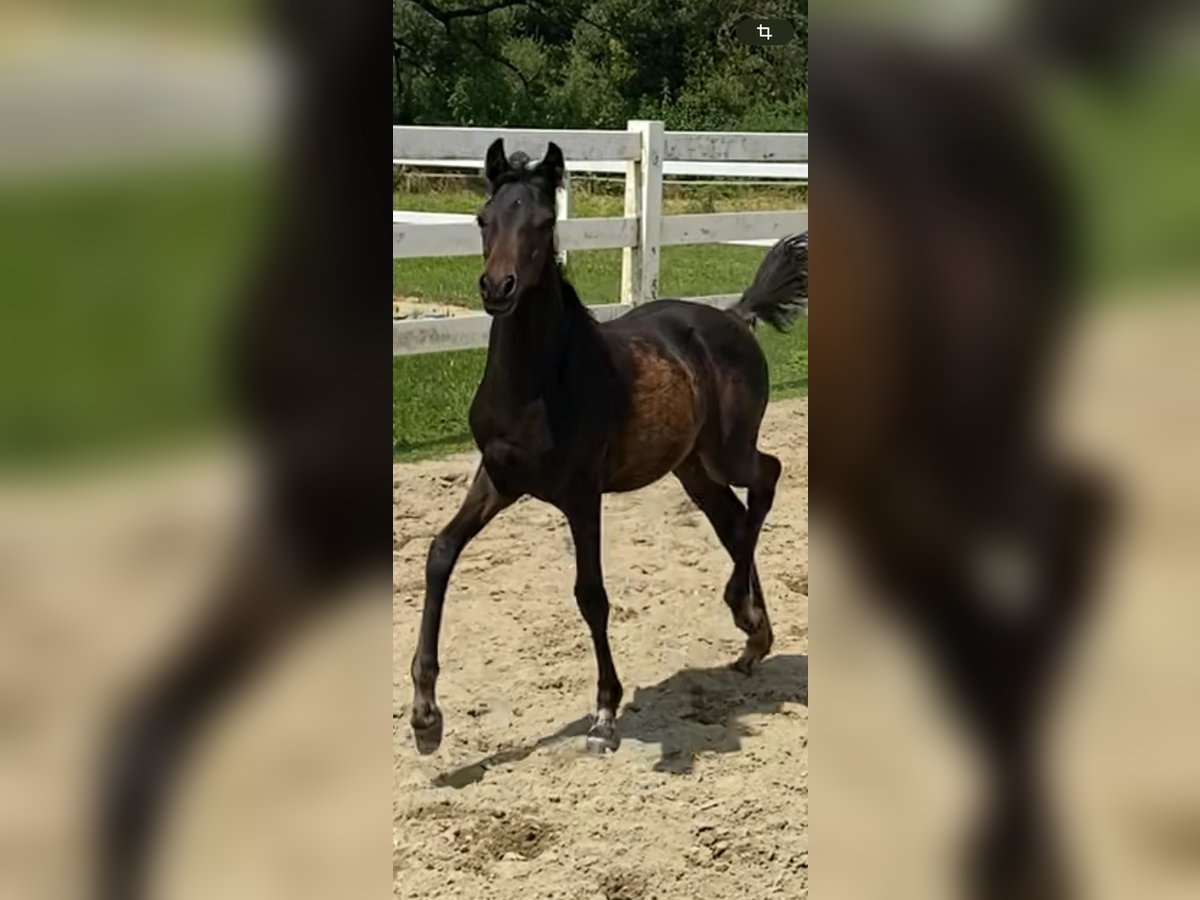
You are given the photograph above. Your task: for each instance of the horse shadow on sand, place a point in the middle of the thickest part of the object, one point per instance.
(693, 711)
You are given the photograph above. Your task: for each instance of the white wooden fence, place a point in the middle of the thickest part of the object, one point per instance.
(643, 149)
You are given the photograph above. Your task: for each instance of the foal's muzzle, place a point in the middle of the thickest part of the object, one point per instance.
(499, 299)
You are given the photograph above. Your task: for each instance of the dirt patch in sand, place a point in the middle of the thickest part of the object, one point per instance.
(416, 308)
(707, 796)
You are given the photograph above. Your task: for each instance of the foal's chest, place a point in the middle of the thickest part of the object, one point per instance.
(514, 444)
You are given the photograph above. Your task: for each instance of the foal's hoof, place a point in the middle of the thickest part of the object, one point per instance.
(427, 731)
(758, 645)
(603, 738)
(744, 664)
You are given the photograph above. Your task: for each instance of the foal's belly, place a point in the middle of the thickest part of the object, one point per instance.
(665, 416)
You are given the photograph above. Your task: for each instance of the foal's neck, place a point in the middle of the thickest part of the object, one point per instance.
(528, 350)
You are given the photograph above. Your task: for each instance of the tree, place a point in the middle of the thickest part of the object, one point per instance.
(595, 64)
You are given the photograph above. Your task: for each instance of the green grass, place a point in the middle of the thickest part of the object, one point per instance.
(430, 398)
(1132, 153)
(689, 271)
(117, 290)
(432, 393)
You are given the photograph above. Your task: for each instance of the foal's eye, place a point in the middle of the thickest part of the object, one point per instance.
(479, 220)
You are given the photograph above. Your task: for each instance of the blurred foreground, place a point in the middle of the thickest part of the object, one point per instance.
(190, 378)
(897, 781)
(194, 653)
(1004, 409)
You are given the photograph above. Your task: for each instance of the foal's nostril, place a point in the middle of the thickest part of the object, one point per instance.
(490, 290)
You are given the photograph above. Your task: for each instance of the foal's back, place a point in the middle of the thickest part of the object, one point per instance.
(693, 373)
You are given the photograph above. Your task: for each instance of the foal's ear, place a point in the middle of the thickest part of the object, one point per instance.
(496, 163)
(552, 168)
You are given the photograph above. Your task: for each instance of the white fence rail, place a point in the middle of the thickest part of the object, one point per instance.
(645, 151)
(406, 217)
(768, 171)
(461, 238)
(735, 146)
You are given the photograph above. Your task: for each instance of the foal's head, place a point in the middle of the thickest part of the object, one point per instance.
(517, 224)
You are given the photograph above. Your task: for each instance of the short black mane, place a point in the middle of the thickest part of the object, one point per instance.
(571, 301)
(520, 172)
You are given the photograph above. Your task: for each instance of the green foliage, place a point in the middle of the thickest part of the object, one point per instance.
(597, 64)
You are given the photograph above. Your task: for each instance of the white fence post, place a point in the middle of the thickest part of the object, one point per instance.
(643, 201)
(562, 203)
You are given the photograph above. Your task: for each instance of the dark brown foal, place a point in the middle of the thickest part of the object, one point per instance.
(569, 410)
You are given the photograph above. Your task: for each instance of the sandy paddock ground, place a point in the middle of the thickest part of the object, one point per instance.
(707, 796)
(99, 584)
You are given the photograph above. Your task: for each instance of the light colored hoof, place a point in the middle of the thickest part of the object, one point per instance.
(603, 737)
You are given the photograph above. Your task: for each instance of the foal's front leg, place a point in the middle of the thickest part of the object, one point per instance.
(584, 519)
(482, 503)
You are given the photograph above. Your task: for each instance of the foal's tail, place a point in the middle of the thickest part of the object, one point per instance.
(779, 292)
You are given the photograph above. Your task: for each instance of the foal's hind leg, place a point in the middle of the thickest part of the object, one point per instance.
(758, 473)
(730, 520)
